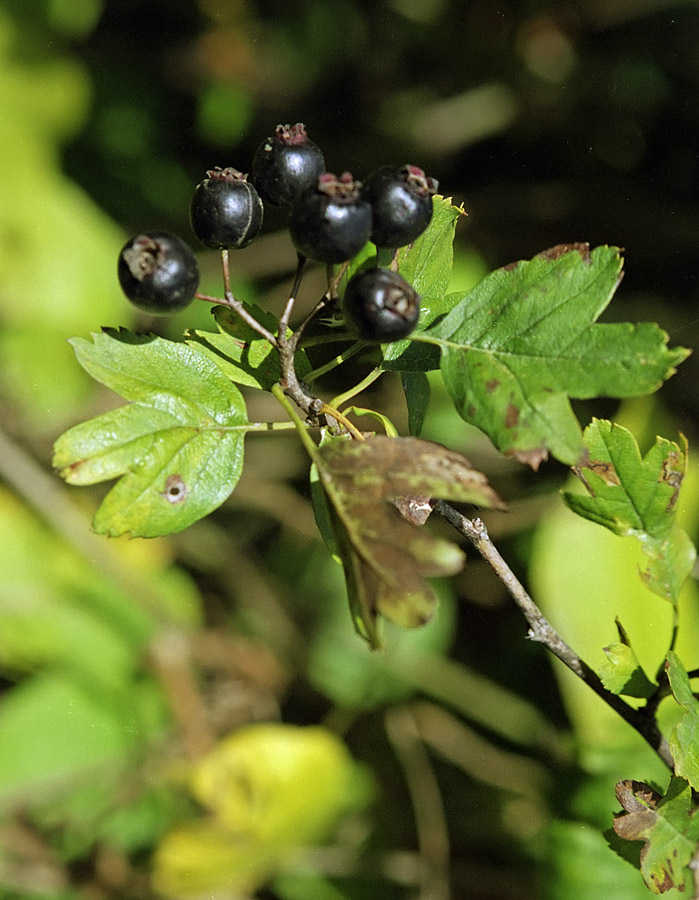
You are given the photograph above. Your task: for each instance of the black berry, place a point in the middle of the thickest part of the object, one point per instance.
(286, 166)
(401, 204)
(226, 210)
(380, 306)
(158, 273)
(331, 223)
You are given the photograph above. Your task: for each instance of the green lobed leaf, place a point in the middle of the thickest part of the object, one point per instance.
(631, 495)
(386, 558)
(668, 828)
(178, 447)
(684, 740)
(427, 265)
(516, 348)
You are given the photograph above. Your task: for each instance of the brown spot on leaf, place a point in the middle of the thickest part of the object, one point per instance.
(673, 474)
(511, 416)
(559, 250)
(666, 883)
(74, 467)
(554, 253)
(492, 385)
(175, 489)
(606, 471)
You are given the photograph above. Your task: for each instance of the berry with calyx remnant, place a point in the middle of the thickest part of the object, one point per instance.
(380, 305)
(286, 166)
(158, 273)
(226, 211)
(401, 204)
(331, 223)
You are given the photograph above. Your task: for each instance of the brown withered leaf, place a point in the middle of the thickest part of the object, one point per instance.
(669, 828)
(387, 468)
(386, 558)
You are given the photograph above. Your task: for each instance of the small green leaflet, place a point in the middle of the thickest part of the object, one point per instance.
(669, 829)
(244, 356)
(636, 496)
(386, 558)
(684, 740)
(427, 265)
(525, 340)
(416, 387)
(177, 448)
(621, 672)
(428, 261)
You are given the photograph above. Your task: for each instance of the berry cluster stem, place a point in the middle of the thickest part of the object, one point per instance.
(238, 307)
(296, 284)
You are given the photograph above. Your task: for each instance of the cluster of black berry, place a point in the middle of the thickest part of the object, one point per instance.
(331, 218)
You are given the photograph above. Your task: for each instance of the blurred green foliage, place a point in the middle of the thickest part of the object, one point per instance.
(123, 664)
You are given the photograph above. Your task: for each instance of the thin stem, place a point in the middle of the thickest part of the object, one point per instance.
(226, 272)
(334, 362)
(256, 426)
(319, 340)
(385, 257)
(307, 441)
(541, 630)
(286, 347)
(358, 388)
(289, 381)
(323, 409)
(236, 305)
(330, 412)
(295, 285)
(220, 301)
(335, 279)
(325, 301)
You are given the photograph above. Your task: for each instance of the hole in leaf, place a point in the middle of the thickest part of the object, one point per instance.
(175, 489)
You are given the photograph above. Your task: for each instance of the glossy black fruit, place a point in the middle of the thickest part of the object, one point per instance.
(286, 166)
(158, 273)
(380, 306)
(331, 223)
(401, 204)
(226, 211)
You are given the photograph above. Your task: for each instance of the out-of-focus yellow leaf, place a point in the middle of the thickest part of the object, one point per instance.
(271, 790)
(278, 784)
(201, 858)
